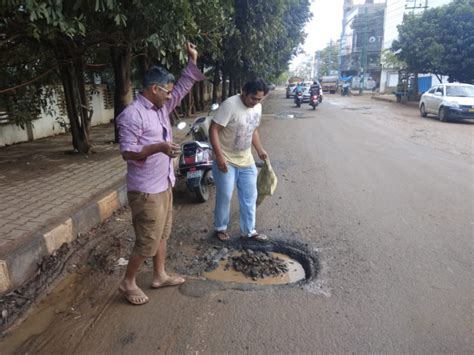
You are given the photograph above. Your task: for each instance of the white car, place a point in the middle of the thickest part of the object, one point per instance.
(448, 101)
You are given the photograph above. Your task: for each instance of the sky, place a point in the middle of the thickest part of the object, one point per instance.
(325, 25)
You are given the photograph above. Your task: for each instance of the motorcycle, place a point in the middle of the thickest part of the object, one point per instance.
(313, 101)
(195, 161)
(298, 99)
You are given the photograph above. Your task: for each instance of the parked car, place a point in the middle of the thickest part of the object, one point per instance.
(289, 90)
(448, 101)
(271, 86)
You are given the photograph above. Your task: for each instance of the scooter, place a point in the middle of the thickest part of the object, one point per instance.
(195, 162)
(298, 99)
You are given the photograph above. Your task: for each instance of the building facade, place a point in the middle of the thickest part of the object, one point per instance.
(362, 42)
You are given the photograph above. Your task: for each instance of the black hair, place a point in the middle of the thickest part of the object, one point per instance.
(157, 75)
(252, 86)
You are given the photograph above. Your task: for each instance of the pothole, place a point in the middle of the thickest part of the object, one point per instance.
(257, 267)
(291, 115)
(279, 263)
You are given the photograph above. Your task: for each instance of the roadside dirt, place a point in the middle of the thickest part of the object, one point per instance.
(77, 282)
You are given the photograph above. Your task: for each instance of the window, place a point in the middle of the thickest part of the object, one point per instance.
(460, 91)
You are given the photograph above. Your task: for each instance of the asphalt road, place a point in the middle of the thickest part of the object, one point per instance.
(384, 196)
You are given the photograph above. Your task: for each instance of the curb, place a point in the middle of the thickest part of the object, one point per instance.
(385, 99)
(19, 261)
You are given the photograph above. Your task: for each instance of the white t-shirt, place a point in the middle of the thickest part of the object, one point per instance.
(239, 122)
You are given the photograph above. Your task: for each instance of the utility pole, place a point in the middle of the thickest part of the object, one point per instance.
(330, 55)
(318, 56)
(415, 7)
(363, 56)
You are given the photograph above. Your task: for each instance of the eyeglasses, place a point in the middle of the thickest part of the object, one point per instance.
(163, 89)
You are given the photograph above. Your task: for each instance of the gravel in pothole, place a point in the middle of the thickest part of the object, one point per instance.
(257, 264)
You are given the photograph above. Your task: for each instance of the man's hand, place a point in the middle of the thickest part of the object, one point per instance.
(262, 154)
(170, 149)
(221, 164)
(192, 52)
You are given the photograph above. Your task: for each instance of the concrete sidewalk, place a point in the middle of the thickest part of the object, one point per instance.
(49, 196)
(393, 99)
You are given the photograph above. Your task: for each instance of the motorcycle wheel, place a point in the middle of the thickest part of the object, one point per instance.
(298, 104)
(202, 191)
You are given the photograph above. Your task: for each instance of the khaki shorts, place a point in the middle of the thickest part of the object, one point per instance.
(152, 219)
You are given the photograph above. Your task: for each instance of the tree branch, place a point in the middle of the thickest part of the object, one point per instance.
(2, 91)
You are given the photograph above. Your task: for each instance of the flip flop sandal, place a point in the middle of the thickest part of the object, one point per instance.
(170, 281)
(136, 297)
(223, 236)
(259, 237)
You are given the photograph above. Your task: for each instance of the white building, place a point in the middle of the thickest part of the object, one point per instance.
(395, 9)
(361, 41)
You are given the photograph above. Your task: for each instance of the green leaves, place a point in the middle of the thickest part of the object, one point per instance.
(440, 41)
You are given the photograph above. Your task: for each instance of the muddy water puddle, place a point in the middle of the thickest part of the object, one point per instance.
(294, 274)
(57, 302)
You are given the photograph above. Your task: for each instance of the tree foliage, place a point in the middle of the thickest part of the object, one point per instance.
(440, 41)
(58, 43)
(328, 59)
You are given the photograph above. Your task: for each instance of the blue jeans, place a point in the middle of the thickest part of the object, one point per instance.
(246, 181)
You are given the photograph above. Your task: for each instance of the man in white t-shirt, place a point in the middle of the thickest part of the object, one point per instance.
(232, 133)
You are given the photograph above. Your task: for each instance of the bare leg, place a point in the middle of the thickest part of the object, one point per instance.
(159, 260)
(129, 285)
(160, 277)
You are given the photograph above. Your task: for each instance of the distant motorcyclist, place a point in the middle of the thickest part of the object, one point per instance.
(345, 88)
(315, 89)
(298, 94)
(298, 88)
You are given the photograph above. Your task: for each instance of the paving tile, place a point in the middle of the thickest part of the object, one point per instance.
(8, 210)
(31, 226)
(43, 218)
(6, 229)
(17, 233)
(4, 242)
(15, 215)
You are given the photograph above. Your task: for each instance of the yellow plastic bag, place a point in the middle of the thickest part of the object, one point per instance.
(266, 182)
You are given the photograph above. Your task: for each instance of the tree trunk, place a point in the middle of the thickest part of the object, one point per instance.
(84, 109)
(75, 97)
(224, 79)
(121, 62)
(196, 97)
(415, 88)
(215, 85)
(231, 86)
(144, 64)
(184, 106)
(189, 105)
(202, 98)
